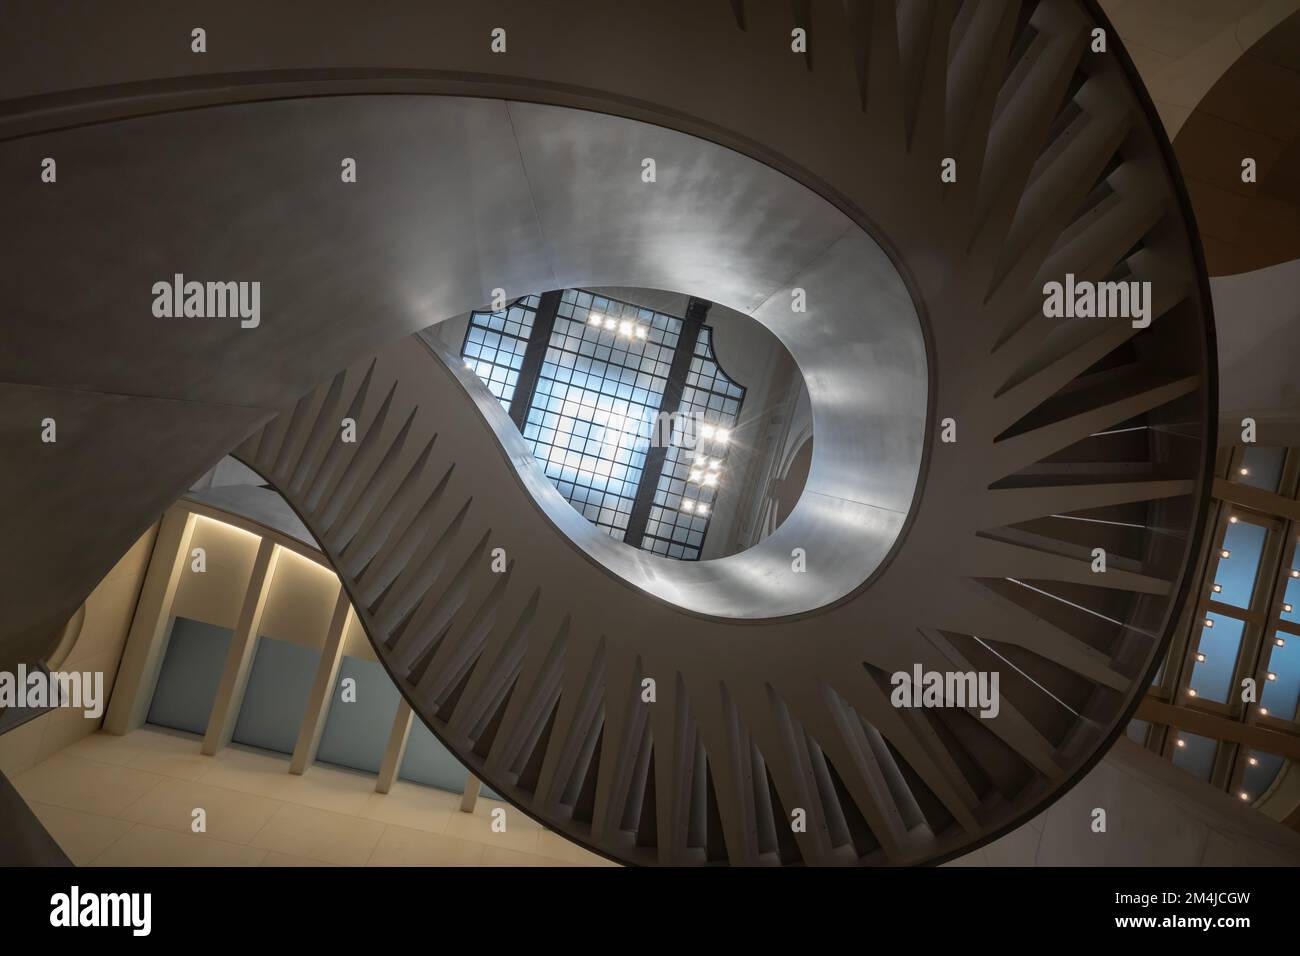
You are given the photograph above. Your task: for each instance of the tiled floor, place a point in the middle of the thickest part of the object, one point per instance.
(131, 801)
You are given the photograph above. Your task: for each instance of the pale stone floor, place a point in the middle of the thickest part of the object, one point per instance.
(129, 801)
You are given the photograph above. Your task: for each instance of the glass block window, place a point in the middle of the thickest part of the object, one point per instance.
(1220, 641)
(1235, 574)
(495, 343)
(695, 463)
(599, 391)
(597, 406)
(1280, 692)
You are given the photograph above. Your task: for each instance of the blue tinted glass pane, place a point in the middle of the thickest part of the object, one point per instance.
(357, 728)
(1292, 598)
(279, 686)
(1195, 754)
(1263, 466)
(1261, 770)
(191, 671)
(1219, 642)
(1235, 574)
(1137, 731)
(1281, 694)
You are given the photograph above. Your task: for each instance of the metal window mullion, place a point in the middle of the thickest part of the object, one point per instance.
(539, 339)
(674, 388)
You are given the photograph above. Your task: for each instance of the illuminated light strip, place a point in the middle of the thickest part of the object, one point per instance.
(1119, 431)
(1122, 524)
(1080, 607)
(1030, 679)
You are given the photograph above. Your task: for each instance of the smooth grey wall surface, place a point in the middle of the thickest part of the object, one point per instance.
(356, 732)
(191, 670)
(276, 697)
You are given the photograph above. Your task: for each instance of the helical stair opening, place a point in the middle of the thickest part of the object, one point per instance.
(924, 323)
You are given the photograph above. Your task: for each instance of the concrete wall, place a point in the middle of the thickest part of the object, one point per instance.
(98, 647)
(215, 596)
(300, 602)
(1156, 815)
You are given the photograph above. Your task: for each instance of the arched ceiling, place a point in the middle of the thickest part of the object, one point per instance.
(1252, 111)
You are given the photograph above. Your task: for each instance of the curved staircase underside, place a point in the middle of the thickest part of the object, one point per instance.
(1071, 435)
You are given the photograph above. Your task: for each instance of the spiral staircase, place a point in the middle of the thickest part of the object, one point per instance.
(778, 171)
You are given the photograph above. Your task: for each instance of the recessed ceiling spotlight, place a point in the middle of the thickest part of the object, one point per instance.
(1181, 742)
(1286, 608)
(1225, 553)
(1279, 642)
(1209, 622)
(1190, 692)
(1245, 471)
(1295, 573)
(1263, 711)
(1218, 589)
(1272, 676)
(1200, 658)
(1232, 520)
(1254, 762)
(1245, 795)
